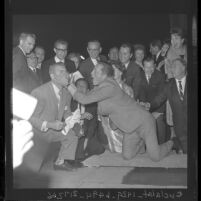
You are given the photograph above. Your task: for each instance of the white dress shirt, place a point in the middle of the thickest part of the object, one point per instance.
(57, 60)
(94, 61)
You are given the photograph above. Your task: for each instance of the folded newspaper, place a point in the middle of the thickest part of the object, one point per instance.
(71, 120)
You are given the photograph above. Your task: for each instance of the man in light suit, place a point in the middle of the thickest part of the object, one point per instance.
(176, 93)
(48, 118)
(135, 123)
(21, 72)
(60, 50)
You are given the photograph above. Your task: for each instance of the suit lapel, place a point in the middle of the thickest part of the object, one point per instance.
(53, 96)
(61, 104)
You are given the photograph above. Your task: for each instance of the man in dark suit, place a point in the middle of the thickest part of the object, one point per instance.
(88, 143)
(176, 93)
(40, 54)
(155, 49)
(131, 73)
(60, 49)
(151, 84)
(32, 62)
(86, 67)
(52, 109)
(21, 72)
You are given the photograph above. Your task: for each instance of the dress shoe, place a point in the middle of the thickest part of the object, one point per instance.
(176, 145)
(74, 163)
(63, 166)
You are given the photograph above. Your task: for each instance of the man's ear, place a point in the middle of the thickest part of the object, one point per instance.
(52, 76)
(100, 50)
(54, 50)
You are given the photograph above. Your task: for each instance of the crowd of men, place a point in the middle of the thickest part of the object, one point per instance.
(157, 79)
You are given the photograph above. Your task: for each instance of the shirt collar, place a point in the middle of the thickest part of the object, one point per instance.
(126, 65)
(39, 66)
(183, 80)
(22, 50)
(94, 61)
(57, 60)
(32, 68)
(56, 89)
(157, 55)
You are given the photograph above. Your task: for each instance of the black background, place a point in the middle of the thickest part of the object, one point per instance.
(110, 29)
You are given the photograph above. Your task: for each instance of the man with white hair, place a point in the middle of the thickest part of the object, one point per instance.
(21, 71)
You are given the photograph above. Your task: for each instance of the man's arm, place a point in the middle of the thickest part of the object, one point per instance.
(98, 94)
(159, 99)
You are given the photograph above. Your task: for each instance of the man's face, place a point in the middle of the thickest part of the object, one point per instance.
(176, 40)
(149, 67)
(76, 61)
(139, 55)
(82, 86)
(27, 44)
(40, 54)
(124, 55)
(178, 69)
(164, 49)
(117, 73)
(114, 54)
(60, 51)
(154, 50)
(60, 75)
(94, 49)
(32, 61)
(97, 74)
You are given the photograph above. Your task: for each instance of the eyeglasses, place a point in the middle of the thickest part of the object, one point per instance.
(94, 49)
(63, 50)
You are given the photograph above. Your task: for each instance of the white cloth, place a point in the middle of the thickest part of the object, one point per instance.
(75, 76)
(71, 120)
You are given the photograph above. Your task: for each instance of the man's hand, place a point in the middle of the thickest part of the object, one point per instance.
(87, 115)
(146, 105)
(56, 125)
(22, 140)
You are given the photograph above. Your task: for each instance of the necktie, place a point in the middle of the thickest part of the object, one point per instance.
(180, 90)
(123, 72)
(148, 78)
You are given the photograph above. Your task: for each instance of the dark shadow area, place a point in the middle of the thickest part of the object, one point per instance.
(156, 176)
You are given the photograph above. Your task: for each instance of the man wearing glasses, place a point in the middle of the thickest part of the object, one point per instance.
(60, 50)
(86, 67)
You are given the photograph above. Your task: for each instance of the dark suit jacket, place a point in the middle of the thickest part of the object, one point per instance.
(23, 78)
(157, 61)
(85, 68)
(132, 77)
(70, 67)
(179, 108)
(94, 145)
(148, 91)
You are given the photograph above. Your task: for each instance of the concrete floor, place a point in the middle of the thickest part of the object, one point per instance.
(106, 177)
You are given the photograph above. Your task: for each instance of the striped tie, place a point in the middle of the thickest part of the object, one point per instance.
(181, 91)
